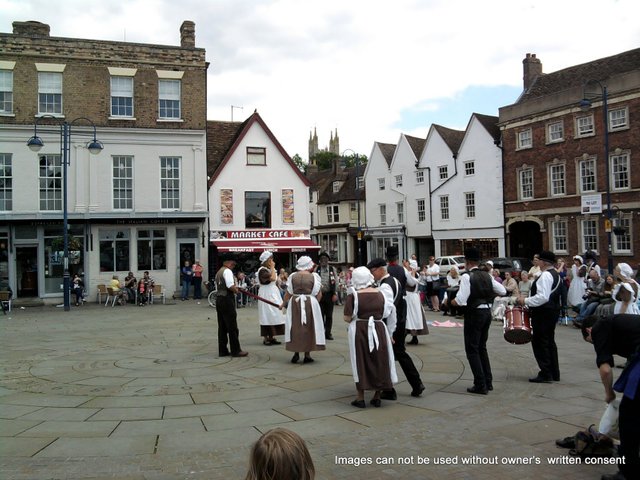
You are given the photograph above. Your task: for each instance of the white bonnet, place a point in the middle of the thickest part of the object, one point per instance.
(361, 278)
(304, 263)
(266, 255)
(625, 270)
(578, 257)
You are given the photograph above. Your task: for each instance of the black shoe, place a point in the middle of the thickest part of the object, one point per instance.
(389, 394)
(490, 386)
(556, 378)
(329, 337)
(359, 403)
(567, 442)
(414, 341)
(275, 342)
(416, 392)
(478, 390)
(240, 354)
(295, 358)
(540, 379)
(307, 360)
(376, 402)
(222, 354)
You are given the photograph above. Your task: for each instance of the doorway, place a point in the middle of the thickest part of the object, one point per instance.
(27, 270)
(186, 253)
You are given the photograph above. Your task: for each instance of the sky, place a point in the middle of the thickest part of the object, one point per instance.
(371, 69)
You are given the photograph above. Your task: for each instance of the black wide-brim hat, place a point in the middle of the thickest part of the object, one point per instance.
(472, 254)
(547, 256)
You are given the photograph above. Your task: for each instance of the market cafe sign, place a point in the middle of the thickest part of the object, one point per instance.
(259, 234)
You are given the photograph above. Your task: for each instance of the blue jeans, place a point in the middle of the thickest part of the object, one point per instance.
(186, 285)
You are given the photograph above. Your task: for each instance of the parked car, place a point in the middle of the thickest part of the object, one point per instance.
(446, 263)
(513, 265)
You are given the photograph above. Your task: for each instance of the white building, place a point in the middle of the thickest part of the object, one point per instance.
(466, 187)
(141, 203)
(258, 198)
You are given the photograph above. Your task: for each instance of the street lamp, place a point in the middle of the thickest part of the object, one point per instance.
(359, 233)
(585, 105)
(35, 143)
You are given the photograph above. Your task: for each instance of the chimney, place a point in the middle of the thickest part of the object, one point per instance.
(532, 68)
(31, 29)
(188, 34)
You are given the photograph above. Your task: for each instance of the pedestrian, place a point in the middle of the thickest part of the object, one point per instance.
(271, 318)
(416, 320)
(280, 454)
(476, 293)
(433, 283)
(304, 330)
(329, 279)
(620, 335)
(228, 341)
(544, 308)
(370, 348)
(187, 275)
(392, 281)
(197, 280)
(577, 285)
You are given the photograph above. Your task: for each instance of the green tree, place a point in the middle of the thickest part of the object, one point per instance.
(300, 163)
(324, 160)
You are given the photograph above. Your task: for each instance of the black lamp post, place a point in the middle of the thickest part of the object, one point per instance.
(35, 143)
(585, 105)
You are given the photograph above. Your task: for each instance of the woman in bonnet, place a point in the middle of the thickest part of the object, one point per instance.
(304, 330)
(372, 361)
(270, 317)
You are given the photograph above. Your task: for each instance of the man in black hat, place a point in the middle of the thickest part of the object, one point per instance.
(392, 281)
(329, 282)
(476, 293)
(544, 308)
(228, 342)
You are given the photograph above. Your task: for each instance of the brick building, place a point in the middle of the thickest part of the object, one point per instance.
(555, 166)
(141, 204)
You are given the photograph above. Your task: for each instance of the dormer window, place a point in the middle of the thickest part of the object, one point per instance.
(336, 186)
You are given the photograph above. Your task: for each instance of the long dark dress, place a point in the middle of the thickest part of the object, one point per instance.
(307, 336)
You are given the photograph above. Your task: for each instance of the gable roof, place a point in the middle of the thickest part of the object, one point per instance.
(490, 123)
(227, 136)
(575, 76)
(416, 144)
(453, 138)
(387, 150)
(323, 183)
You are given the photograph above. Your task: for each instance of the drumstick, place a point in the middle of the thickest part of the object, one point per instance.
(253, 295)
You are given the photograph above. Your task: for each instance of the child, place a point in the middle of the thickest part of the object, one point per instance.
(280, 454)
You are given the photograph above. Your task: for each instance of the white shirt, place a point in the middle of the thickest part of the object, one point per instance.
(433, 272)
(465, 290)
(544, 284)
(229, 280)
(411, 280)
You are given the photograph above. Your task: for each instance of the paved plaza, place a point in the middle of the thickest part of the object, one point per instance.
(141, 394)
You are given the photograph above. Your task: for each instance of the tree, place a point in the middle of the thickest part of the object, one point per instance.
(324, 160)
(300, 163)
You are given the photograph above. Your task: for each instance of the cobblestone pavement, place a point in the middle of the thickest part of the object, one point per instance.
(140, 393)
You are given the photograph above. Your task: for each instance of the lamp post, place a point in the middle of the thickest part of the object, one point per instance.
(359, 233)
(585, 105)
(35, 143)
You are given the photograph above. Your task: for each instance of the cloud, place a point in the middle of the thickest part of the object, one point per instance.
(368, 68)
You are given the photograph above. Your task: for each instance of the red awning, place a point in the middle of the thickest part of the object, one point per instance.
(272, 244)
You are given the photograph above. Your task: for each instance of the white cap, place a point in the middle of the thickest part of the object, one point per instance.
(625, 270)
(266, 255)
(361, 278)
(304, 263)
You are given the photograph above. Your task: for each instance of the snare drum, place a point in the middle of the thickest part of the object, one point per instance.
(517, 326)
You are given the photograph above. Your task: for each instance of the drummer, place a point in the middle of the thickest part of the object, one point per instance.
(544, 308)
(477, 291)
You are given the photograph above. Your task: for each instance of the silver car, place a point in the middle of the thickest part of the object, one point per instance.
(446, 263)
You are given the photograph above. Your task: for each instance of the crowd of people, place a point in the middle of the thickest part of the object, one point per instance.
(383, 304)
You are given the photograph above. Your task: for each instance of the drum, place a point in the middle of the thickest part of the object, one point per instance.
(517, 326)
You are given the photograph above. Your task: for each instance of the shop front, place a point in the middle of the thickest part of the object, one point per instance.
(286, 245)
